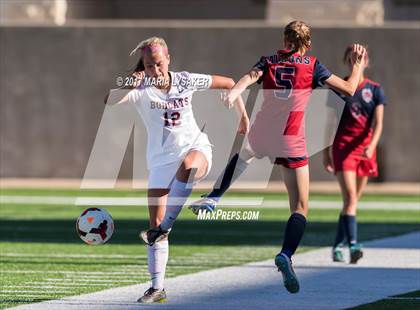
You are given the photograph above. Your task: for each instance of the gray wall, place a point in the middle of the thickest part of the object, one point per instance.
(166, 9)
(53, 80)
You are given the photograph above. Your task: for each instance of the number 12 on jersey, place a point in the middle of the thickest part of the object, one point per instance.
(172, 119)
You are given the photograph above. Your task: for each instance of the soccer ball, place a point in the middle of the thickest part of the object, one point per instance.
(95, 226)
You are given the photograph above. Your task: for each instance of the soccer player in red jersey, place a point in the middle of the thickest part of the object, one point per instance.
(353, 155)
(288, 78)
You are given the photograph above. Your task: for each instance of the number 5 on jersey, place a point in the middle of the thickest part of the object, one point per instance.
(284, 81)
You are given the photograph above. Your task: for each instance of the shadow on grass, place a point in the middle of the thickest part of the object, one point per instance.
(193, 232)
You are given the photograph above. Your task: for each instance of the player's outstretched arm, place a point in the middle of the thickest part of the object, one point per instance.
(349, 87)
(248, 79)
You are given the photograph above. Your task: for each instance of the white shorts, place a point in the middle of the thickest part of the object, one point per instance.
(162, 176)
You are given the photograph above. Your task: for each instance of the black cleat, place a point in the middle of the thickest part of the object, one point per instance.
(153, 295)
(153, 235)
(356, 253)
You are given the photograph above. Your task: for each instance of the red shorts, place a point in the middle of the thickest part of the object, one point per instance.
(292, 162)
(355, 162)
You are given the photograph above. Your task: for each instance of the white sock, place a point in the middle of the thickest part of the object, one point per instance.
(157, 258)
(177, 197)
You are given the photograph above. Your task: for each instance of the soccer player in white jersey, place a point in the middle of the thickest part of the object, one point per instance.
(178, 153)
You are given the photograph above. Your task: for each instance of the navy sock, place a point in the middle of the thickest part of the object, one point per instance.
(350, 226)
(293, 234)
(226, 180)
(339, 237)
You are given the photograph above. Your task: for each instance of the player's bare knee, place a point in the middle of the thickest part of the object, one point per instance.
(188, 162)
(350, 198)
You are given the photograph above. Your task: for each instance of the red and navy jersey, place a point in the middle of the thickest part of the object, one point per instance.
(356, 120)
(287, 86)
(298, 72)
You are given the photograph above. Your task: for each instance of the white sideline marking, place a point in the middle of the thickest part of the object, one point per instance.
(48, 200)
(73, 255)
(32, 291)
(404, 298)
(92, 280)
(75, 273)
(136, 201)
(31, 296)
(225, 202)
(37, 286)
(114, 277)
(27, 297)
(64, 283)
(109, 201)
(56, 285)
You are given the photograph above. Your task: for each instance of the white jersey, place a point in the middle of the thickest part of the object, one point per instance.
(171, 127)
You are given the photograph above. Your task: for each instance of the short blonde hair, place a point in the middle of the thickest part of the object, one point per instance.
(150, 42)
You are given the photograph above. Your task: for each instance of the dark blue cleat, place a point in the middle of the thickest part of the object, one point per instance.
(290, 280)
(356, 253)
